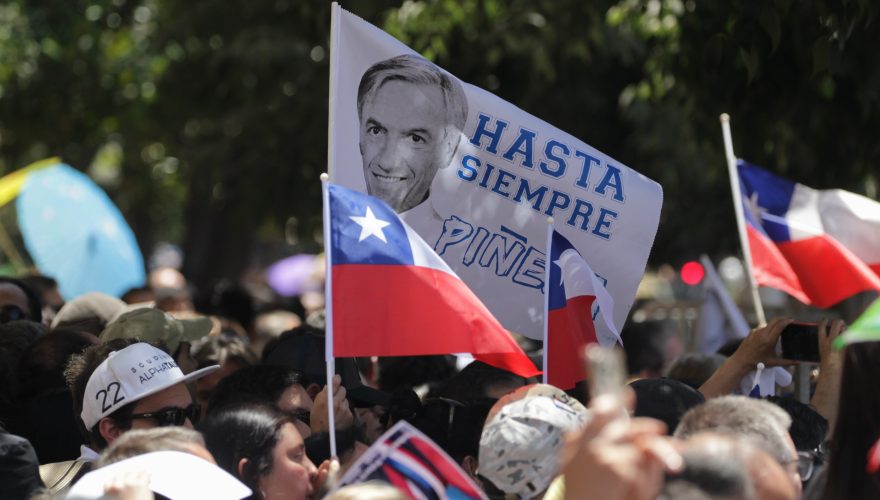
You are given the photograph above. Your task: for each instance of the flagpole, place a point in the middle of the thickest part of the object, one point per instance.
(330, 361)
(328, 313)
(740, 217)
(547, 265)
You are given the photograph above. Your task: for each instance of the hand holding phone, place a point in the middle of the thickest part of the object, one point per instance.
(800, 342)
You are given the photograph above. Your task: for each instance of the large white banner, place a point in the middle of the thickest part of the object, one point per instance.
(477, 177)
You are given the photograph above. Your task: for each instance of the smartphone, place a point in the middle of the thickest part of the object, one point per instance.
(606, 370)
(800, 342)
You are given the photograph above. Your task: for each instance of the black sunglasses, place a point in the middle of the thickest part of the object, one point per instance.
(173, 416)
(10, 312)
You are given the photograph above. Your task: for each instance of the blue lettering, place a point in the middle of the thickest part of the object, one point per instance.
(493, 135)
(603, 223)
(537, 194)
(497, 252)
(583, 180)
(484, 183)
(454, 231)
(502, 182)
(583, 210)
(474, 247)
(531, 270)
(471, 169)
(612, 179)
(558, 200)
(523, 145)
(560, 162)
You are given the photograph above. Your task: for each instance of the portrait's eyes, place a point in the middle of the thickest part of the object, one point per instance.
(374, 130)
(417, 139)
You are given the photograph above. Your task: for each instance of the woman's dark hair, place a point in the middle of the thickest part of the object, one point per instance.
(246, 431)
(857, 427)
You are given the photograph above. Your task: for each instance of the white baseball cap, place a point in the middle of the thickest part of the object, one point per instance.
(129, 375)
(521, 445)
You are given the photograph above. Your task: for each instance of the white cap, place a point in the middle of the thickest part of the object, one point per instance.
(520, 445)
(129, 375)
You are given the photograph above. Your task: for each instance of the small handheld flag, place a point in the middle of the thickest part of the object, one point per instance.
(392, 295)
(819, 246)
(571, 289)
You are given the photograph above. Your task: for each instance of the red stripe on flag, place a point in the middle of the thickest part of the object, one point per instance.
(392, 310)
(770, 267)
(569, 329)
(819, 271)
(828, 271)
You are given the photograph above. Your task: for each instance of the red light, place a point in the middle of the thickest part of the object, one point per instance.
(692, 273)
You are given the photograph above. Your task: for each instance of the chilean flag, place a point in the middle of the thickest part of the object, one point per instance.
(391, 295)
(819, 246)
(572, 288)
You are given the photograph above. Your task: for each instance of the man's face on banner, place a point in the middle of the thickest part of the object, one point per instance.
(403, 141)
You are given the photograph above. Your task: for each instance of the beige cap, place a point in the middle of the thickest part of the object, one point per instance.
(151, 325)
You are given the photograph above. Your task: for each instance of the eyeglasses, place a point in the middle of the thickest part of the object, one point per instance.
(807, 461)
(173, 416)
(11, 312)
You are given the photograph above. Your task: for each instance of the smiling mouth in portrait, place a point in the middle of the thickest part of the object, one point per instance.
(388, 178)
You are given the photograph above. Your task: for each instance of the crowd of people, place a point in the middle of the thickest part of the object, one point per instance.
(233, 383)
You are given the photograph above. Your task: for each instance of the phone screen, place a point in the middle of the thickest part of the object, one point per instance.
(800, 342)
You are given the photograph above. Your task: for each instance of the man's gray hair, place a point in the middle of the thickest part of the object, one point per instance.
(715, 466)
(761, 422)
(139, 442)
(415, 69)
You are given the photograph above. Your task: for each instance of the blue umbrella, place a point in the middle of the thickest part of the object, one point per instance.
(75, 233)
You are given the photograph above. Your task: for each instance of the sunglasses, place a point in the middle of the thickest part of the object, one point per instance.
(10, 312)
(173, 416)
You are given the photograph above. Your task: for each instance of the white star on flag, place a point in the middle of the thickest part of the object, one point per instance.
(757, 210)
(370, 226)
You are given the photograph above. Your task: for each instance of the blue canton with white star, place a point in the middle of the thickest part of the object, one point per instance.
(365, 230)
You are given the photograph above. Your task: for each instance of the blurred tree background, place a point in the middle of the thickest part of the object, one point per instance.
(206, 121)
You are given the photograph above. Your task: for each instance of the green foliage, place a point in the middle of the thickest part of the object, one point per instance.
(206, 121)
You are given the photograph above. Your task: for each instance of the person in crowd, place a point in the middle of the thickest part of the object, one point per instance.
(122, 385)
(456, 426)
(695, 368)
(650, 346)
(15, 337)
(371, 490)
(47, 290)
(613, 458)
(18, 302)
(856, 429)
(278, 386)
(665, 399)
(521, 444)
(139, 295)
(270, 325)
(231, 353)
(478, 381)
(138, 442)
(411, 116)
(90, 312)
(724, 466)
(262, 447)
(19, 468)
(760, 421)
(152, 325)
(45, 405)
